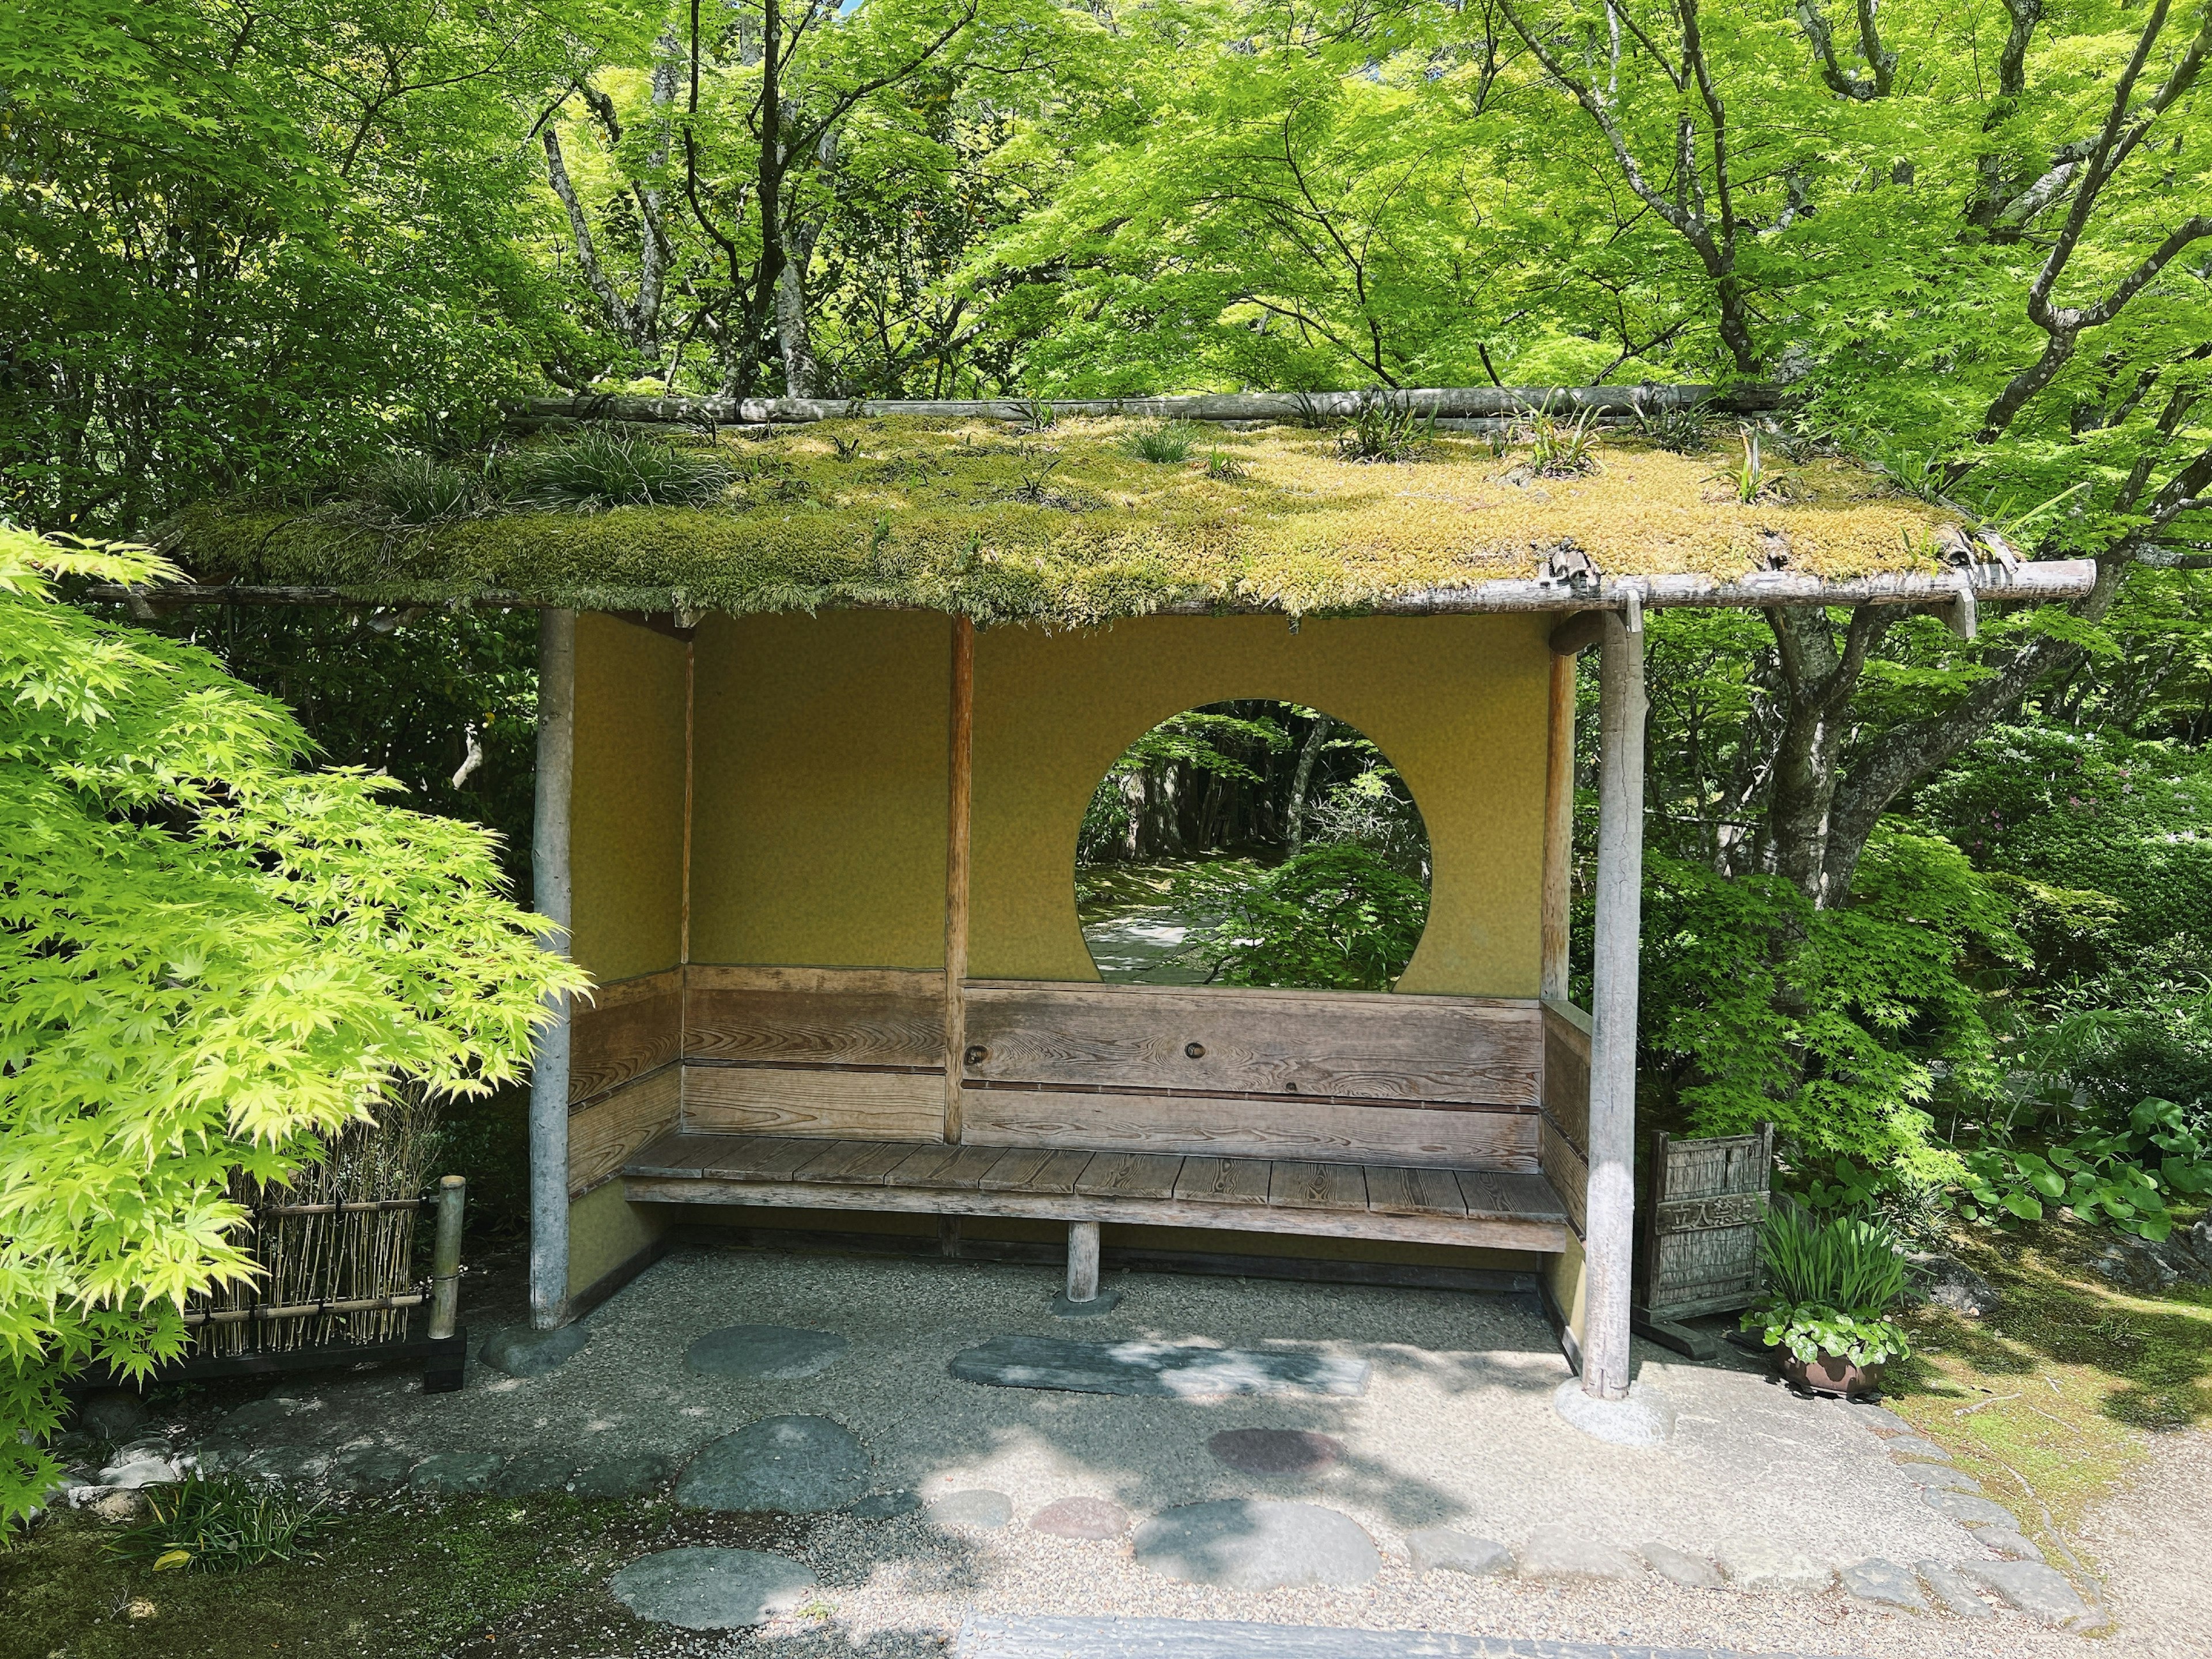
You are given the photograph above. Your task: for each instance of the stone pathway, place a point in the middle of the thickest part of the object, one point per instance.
(1174, 1638)
(1179, 1370)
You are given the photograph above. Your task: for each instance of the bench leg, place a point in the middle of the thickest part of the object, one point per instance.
(1082, 1261)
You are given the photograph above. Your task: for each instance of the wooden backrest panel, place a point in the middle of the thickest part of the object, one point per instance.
(1566, 1142)
(1277, 1044)
(627, 1029)
(808, 1016)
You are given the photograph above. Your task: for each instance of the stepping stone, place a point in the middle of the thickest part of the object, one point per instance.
(113, 1415)
(626, 1475)
(1447, 1549)
(1760, 1564)
(1178, 1371)
(256, 1415)
(765, 1353)
(1274, 1451)
(787, 1464)
(536, 1471)
(1561, 1551)
(1939, 1475)
(1954, 1592)
(1244, 1544)
(1884, 1584)
(295, 1466)
(1680, 1567)
(457, 1472)
(1081, 1517)
(1968, 1510)
(885, 1505)
(978, 1510)
(136, 1467)
(520, 1350)
(1912, 1446)
(2029, 1587)
(2006, 1541)
(703, 1588)
(1880, 1419)
(372, 1469)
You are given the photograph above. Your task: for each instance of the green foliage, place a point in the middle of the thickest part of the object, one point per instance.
(1163, 442)
(1813, 1334)
(1751, 480)
(1333, 916)
(209, 960)
(1680, 428)
(2123, 1176)
(1561, 445)
(1831, 1024)
(1224, 467)
(1842, 1186)
(1829, 1282)
(414, 491)
(599, 468)
(220, 1526)
(1386, 428)
(1207, 741)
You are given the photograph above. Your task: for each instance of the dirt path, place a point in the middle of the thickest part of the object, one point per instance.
(2148, 1542)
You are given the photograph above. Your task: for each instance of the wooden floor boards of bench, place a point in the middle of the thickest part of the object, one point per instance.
(1436, 1205)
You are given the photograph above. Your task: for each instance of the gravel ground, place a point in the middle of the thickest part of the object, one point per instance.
(1455, 1428)
(2149, 1541)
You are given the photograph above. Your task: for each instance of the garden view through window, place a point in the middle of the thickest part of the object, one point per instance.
(1252, 843)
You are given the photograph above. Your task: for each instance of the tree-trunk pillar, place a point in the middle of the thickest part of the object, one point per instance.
(1610, 1221)
(551, 897)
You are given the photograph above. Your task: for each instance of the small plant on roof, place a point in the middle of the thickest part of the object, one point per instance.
(1561, 446)
(1923, 474)
(1386, 427)
(1679, 428)
(1168, 443)
(847, 448)
(604, 469)
(419, 490)
(1038, 415)
(1034, 471)
(1308, 413)
(220, 1526)
(1224, 467)
(1751, 480)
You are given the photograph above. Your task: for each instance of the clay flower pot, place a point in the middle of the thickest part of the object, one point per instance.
(1838, 1378)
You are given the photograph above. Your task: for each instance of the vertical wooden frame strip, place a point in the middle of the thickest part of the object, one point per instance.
(550, 897)
(960, 773)
(1558, 831)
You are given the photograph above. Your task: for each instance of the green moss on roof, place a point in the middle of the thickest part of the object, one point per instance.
(935, 513)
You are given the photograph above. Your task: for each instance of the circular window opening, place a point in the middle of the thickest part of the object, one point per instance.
(1253, 843)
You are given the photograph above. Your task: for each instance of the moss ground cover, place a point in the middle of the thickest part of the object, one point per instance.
(2060, 1392)
(1071, 527)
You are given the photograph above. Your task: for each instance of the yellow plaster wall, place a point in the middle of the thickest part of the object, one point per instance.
(605, 1231)
(1457, 704)
(819, 811)
(626, 813)
(1566, 1276)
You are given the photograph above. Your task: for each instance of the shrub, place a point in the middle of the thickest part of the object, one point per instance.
(601, 469)
(1829, 1284)
(209, 961)
(1679, 428)
(418, 491)
(1336, 917)
(1562, 448)
(1168, 443)
(220, 1526)
(1386, 428)
(2123, 1176)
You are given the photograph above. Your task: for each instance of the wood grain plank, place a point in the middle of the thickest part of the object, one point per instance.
(1225, 1180)
(1567, 1076)
(1382, 1047)
(1015, 1169)
(730, 1157)
(1397, 1190)
(968, 1166)
(1436, 1192)
(920, 1168)
(1297, 1185)
(843, 1160)
(836, 1105)
(1241, 1128)
(816, 1017)
(1567, 1172)
(631, 1027)
(1130, 1175)
(603, 1135)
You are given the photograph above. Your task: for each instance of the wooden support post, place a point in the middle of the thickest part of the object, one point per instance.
(1610, 1226)
(1082, 1261)
(446, 1257)
(551, 898)
(960, 772)
(1558, 833)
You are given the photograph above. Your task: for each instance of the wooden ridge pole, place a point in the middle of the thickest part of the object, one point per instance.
(1610, 1218)
(960, 773)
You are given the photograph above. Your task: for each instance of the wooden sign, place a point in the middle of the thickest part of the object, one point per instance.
(1698, 1245)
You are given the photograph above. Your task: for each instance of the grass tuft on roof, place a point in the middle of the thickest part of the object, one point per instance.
(1073, 526)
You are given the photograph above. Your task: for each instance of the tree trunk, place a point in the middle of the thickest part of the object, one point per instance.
(1301, 780)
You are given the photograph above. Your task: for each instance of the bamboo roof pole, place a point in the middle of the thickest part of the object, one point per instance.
(551, 897)
(1610, 1225)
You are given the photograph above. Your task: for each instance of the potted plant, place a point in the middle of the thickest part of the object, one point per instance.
(1830, 1287)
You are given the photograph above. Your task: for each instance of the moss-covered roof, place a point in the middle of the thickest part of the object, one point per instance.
(1067, 526)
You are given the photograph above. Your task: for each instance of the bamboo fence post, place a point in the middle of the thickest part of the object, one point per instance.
(446, 1258)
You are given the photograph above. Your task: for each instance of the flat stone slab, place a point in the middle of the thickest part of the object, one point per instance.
(1645, 1418)
(765, 1353)
(520, 1350)
(1251, 1544)
(1969, 1510)
(997, 1636)
(624, 1475)
(457, 1472)
(979, 1510)
(1680, 1567)
(1081, 1517)
(1274, 1451)
(2006, 1541)
(1913, 1447)
(1939, 1475)
(1179, 1370)
(1884, 1584)
(1880, 1419)
(536, 1470)
(884, 1505)
(1447, 1549)
(2029, 1587)
(1760, 1564)
(1956, 1595)
(786, 1465)
(1561, 1552)
(703, 1588)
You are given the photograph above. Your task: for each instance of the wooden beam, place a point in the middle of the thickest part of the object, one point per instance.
(1082, 1261)
(1558, 830)
(1610, 1221)
(961, 780)
(551, 897)
(1579, 633)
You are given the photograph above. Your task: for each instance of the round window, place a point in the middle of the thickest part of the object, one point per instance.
(1252, 843)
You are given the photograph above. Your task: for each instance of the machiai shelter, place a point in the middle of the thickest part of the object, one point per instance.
(813, 755)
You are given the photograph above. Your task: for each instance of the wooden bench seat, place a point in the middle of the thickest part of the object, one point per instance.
(1426, 1204)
